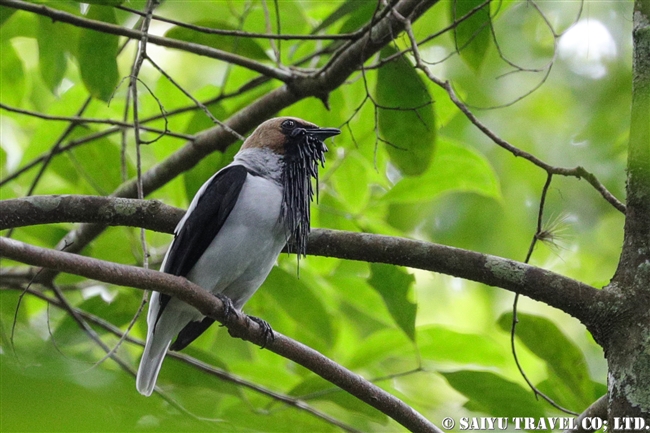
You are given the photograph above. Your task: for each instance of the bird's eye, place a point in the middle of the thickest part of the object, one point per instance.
(288, 124)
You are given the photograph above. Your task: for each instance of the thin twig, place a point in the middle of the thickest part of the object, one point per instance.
(68, 130)
(125, 334)
(57, 145)
(431, 37)
(571, 296)
(163, 114)
(76, 120)
(515, 319)
(123, 365)
(195, 363)
(421, 66)
(16, 311)
(239, 325)
(578, 172)
(597, 409)
(267, 21)
(133, 87)
(546, 69)
(319, 83)
(196, 101)
(113, 29)
(251, 35)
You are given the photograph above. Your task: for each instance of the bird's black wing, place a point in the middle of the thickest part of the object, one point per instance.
(202, 225)
(205, 220)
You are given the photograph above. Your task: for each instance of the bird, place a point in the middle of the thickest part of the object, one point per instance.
(234, 230)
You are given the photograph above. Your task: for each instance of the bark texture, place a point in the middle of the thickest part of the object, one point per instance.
(624, 329)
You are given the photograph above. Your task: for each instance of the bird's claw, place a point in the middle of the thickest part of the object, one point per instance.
(267, 331)
(228, 307)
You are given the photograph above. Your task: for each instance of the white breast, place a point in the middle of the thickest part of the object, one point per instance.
(242, 254)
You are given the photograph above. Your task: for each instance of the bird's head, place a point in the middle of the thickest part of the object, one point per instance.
(300, 143)
(285, 135)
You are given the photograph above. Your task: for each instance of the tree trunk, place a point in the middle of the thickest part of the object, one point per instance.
(624, 327)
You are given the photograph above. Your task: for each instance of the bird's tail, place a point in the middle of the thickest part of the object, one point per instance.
(152, 359)
(162, 329)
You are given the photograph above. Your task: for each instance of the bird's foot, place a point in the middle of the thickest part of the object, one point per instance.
(267, 331)
(228, 307)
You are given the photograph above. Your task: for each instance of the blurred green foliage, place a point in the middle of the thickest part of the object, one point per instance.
(439, 343)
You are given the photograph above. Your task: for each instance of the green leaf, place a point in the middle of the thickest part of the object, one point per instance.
(11, 75)
(97, 55)
(51, 53)
(355, 194)
(407, 120)
(456, 168)
(116, 244)
(3, 160)
(20, 24)
(311, 384)
(54, 41)
(361, 13)
(101, 164)
(564, 359)
(381, 347)
(298, 301)
(240, 418)
(243, 46)
(439, 343)
(316, 388)
(36, 396)
(5, 14)
(43, 235)
(491, 394)
(348, 402)
(119, 312)
(101, 2)
(472, 36)
(563, 395)
(393, 284)
(347, 8)
(201, 172)
(183, 375)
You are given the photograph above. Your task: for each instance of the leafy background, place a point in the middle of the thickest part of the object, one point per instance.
(439, 343)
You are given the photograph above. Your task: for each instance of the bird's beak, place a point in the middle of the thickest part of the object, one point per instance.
(322, 133)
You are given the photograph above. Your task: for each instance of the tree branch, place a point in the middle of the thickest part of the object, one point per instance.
(243, 34)
(636, 246)
(238, 324)
(77, 120)
(46, 209)
(571, 296)
(317, 84)
(598, 409)
(202, 50)
(223, 375)
(577, 172)
(112, 130)
(625, 320)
